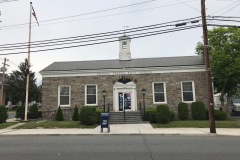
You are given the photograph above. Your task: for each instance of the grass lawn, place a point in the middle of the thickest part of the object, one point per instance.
(5, 125)
(53, 124)
(198, 124)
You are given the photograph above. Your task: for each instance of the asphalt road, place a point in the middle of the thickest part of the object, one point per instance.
(119, 147)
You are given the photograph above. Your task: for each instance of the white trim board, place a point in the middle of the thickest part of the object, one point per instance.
(131, 71)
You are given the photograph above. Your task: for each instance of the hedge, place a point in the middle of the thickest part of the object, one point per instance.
(59, 115)
(3, 114)
(198, 111)
(183, 111)
(219, 115)
(20, 112)
(32, 114)
(88, 115)
(75, 116)
(162, 114)
(148, 112)
(98, 115)
(33, 109)
(151, 115)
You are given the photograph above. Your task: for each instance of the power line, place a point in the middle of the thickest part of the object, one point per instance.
(134, 37)
(88, 13)
(224, 7)
(5, 1)
(224, 25)
(231, 9)
(225, 20)
(81, 39)
(234, 17)
(15, 26)
(104, 10)
(189, 5)
(98, 34)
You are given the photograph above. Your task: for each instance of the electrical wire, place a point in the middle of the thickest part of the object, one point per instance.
(88, 13)
(225, 20)
(101, 34)
(224, 8)
(5, 1)
(189, 6)
(15, 26)
(231, 8)
(134, 37)
(234, 17)
(224, 25)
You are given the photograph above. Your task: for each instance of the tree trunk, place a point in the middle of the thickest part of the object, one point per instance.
(227, 105)
(222, 102)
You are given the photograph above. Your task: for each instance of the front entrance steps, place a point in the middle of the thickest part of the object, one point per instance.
(130, 117)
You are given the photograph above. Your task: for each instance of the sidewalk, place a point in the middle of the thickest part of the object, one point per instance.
(123, 129)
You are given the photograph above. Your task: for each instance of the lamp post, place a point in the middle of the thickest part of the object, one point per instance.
(104, 95)
(143, 91)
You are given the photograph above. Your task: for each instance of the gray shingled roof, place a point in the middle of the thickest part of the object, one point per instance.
(117, 64)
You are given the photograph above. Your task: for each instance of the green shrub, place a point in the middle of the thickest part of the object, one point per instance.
(20, 112)
(59, 115)
(98, 114)
(75, 116)
(219, 115)
(198, 111)
(152, 117)
(33, 109)
(148, 112)
(183, 111)
(34, 115)
(88, 115)
(3, 114)
(162, 114)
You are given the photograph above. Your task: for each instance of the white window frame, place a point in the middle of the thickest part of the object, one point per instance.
(193, 90)
(165, 93)
(86, 95)
(68, 105)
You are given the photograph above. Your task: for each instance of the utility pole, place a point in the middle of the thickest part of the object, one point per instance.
(3, 77)
(32, 12)
(208, 70)
(28, 65)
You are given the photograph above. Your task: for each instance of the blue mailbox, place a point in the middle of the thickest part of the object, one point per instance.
(105, 121)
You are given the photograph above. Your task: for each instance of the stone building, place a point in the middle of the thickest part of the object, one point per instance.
(167, 80)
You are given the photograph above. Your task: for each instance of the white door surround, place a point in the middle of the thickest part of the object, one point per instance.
(128, 88)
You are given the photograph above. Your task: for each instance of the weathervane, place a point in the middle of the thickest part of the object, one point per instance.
(124, 29)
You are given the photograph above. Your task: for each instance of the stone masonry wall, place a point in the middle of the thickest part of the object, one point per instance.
(172, 80)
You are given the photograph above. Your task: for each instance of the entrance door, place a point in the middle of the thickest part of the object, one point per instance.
(124, 100)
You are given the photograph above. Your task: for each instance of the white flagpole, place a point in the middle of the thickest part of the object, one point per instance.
(28, 69)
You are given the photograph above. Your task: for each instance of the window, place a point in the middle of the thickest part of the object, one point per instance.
(188, 92)
(124, 45)
(91, 94)
(64, 95)
(159, 92)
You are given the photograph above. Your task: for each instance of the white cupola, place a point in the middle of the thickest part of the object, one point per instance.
(124, 48)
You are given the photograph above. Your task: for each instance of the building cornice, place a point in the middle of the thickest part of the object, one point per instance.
(123, 71)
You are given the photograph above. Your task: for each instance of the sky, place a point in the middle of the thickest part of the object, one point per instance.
(61, 19)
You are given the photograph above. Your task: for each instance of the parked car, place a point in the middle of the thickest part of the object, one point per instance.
(236, 106)
(11, 106)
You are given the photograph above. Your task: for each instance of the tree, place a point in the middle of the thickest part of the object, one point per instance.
(16, 84)
(224, 47)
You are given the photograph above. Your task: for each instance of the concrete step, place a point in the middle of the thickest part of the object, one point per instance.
(130, 118)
